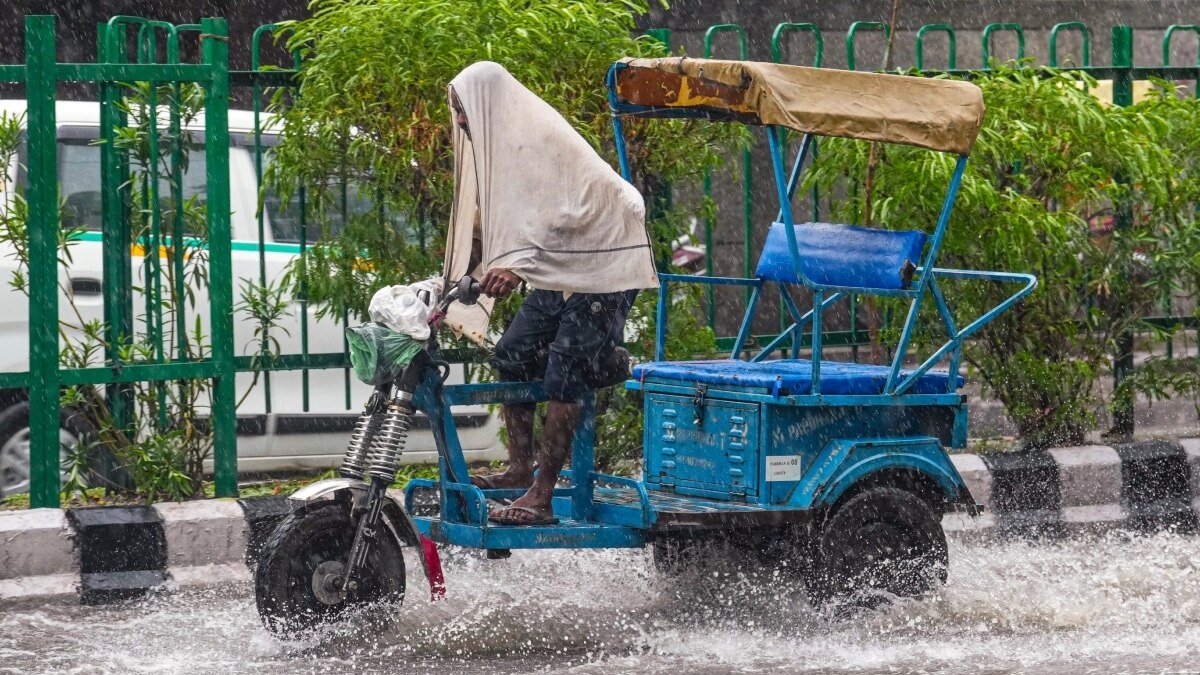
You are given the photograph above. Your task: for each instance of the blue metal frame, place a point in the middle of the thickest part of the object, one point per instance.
(926, 279)
(592, 519)
(462, 519)
(845, 461)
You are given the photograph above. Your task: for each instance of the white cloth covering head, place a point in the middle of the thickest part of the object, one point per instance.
(546, 205)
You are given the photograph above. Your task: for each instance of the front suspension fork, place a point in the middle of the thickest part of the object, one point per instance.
(385, 457)
(386, 445)
(367, 532)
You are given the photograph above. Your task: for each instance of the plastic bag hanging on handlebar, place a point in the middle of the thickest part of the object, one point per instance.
(378, 353)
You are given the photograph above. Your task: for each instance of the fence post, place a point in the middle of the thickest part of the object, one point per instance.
(44, 398)
(1122, 95)
(117, 277)
(256, 96)
(662, 35)
(986, 39)
(1166, 40)
(747, 187)
(214, 37)
(852, 31)
(951, 44)
(1084, 36)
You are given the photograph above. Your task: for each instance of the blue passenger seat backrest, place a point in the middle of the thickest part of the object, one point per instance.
(843, 255)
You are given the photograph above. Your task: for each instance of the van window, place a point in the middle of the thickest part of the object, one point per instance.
(79, 187)
(285, 218)
(79, 179)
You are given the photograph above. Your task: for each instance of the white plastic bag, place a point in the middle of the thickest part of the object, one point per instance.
(401, 308)
(433, 286)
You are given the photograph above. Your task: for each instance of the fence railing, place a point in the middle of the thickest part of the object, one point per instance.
(45, 376)
(113, 72)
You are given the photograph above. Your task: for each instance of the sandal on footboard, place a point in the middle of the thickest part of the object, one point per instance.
(535, 516)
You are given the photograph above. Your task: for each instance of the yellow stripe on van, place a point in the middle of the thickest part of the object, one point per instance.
(137, 251)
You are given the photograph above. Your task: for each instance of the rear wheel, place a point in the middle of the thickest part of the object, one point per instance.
(15, 444)
(881, 543)
(675, 555)
(297, 582)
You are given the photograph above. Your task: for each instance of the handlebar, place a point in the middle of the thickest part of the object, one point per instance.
(466, 291)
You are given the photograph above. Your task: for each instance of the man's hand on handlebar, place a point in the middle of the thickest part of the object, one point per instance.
(498, 283)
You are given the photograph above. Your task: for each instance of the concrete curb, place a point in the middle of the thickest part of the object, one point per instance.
(1144, 486)
(105, 554)
(109, 553)
(37, 554)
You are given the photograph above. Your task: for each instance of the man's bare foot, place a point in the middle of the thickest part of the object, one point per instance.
(504, 480)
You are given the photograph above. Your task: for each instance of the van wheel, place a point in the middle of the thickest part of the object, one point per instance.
(14, 444)
(881, 543)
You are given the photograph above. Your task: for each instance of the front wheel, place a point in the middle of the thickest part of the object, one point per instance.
(298, 580)
(881, 543)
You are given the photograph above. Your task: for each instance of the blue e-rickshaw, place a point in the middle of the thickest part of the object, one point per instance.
(841, 465)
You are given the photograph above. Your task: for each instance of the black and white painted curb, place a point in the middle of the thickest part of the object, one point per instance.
(1145, 486)
(111, 553)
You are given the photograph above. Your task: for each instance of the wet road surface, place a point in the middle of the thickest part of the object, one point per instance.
(1111, 604)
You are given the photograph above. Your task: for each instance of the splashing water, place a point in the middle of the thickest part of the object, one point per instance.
(1116, 603)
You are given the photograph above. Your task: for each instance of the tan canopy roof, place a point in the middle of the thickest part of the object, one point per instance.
(940, 115)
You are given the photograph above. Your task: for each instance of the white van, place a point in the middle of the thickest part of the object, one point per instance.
(290, 437)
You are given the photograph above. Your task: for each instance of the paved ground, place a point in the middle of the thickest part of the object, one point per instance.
(1102, 605)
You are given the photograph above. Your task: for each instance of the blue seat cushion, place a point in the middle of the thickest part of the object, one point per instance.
(789, 377)
(842, 255)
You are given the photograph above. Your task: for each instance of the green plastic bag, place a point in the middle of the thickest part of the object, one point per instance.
(378, 353)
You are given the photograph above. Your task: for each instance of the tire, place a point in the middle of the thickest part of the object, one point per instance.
(703, 559)
(674, 555)
(14, 444)
(881, 543)
(285, 581)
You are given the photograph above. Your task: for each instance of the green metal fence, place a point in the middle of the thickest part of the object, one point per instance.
(116, 68)
(41, 75)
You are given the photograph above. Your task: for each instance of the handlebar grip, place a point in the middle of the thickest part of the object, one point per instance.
(467, 291)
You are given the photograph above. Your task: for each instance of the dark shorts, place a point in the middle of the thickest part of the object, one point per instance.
(566, 344)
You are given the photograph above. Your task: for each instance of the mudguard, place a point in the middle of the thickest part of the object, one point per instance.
(400, 525)
(845, 461)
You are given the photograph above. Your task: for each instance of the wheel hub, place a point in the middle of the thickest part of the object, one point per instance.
(14, 460)
(327, 582)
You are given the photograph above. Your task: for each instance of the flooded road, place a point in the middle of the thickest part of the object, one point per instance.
(1112, 604)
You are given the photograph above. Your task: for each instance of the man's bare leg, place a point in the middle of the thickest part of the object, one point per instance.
(518, 422)
(561, 419)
